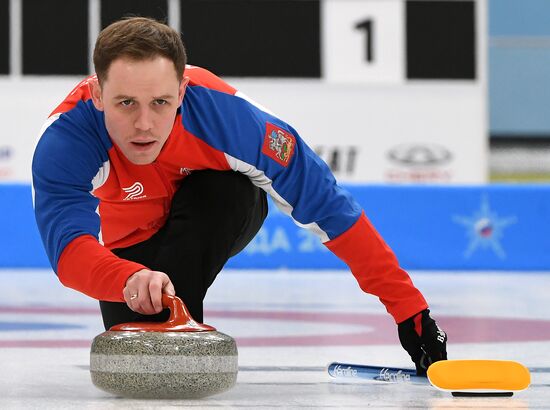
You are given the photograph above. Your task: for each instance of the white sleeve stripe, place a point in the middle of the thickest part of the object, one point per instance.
(100, 233)
(258, 178)
(254, 103)
(48, 122)
(98, 181)
(101, 176)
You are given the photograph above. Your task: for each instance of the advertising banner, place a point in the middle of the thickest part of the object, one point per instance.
(431, 227)
(497, 227)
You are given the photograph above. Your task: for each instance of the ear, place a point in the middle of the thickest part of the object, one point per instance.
(95, 92)
(183, 86)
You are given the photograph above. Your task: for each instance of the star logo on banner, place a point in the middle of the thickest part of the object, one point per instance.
(485, 229)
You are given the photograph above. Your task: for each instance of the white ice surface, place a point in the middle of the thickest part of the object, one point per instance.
(284, 376)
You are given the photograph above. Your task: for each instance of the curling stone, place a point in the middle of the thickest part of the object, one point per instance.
(178, 359)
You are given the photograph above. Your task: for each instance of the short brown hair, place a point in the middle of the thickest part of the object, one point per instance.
(138, 38)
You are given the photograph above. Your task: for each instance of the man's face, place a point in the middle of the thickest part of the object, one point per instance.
(139, 99)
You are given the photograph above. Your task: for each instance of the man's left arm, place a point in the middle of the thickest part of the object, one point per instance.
(377, 271)
(275, 158)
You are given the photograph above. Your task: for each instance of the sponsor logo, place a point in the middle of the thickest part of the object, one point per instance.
(484, 229)
(134, 191)
(342, 371)
(278, 144)
(342, 160)
(391, 376)
(5, 153)
(419, 162)
(185, 171)
(420, 155)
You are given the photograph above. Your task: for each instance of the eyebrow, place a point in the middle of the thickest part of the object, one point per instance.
(128, 97)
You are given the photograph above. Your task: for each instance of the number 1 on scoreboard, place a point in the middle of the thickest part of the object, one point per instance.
(363, 41)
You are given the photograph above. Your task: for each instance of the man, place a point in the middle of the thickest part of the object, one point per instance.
(152, 174)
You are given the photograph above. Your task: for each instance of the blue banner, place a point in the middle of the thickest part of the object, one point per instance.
(487, 227)
(20, 244)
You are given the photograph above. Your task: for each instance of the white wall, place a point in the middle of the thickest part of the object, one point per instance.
(24, 106)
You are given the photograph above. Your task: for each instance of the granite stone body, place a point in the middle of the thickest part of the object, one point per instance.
(164, 365)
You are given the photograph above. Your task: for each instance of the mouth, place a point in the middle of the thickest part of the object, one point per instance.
(142, 145)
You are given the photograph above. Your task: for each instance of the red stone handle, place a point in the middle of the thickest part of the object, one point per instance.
(180, 320)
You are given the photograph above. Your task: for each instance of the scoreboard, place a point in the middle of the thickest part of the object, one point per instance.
(395, 40)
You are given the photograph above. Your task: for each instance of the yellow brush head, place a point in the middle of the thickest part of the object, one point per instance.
(479, 376)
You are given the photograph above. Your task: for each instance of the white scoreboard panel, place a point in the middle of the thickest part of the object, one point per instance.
(407, 79)
(393, 41)
(363, 40)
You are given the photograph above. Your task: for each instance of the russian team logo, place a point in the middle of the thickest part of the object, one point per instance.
(485, 229)
(278, 144)
(134, 191)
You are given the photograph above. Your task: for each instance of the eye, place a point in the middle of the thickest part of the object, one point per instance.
(126, 103)
(160, 101)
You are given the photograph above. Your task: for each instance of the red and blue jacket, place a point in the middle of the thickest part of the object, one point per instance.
(90, 199)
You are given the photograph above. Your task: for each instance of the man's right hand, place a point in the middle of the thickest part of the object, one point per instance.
(144, 289)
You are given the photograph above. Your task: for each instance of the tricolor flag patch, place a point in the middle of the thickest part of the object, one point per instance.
(278, 144)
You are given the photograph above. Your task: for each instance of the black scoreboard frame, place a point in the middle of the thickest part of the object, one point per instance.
(241, 38)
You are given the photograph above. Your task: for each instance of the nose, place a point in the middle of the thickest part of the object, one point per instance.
(144, 119)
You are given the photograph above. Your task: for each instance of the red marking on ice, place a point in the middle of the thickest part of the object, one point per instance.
(46, 343)
(382, 329)
(48, 310)
(379, 329)
(487, 329)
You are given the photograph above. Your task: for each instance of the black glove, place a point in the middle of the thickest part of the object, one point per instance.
(425, 342)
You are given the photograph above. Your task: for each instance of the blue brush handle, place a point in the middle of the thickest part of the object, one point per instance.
(339, 370)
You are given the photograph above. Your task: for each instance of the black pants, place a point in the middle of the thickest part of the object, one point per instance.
(214, 215)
